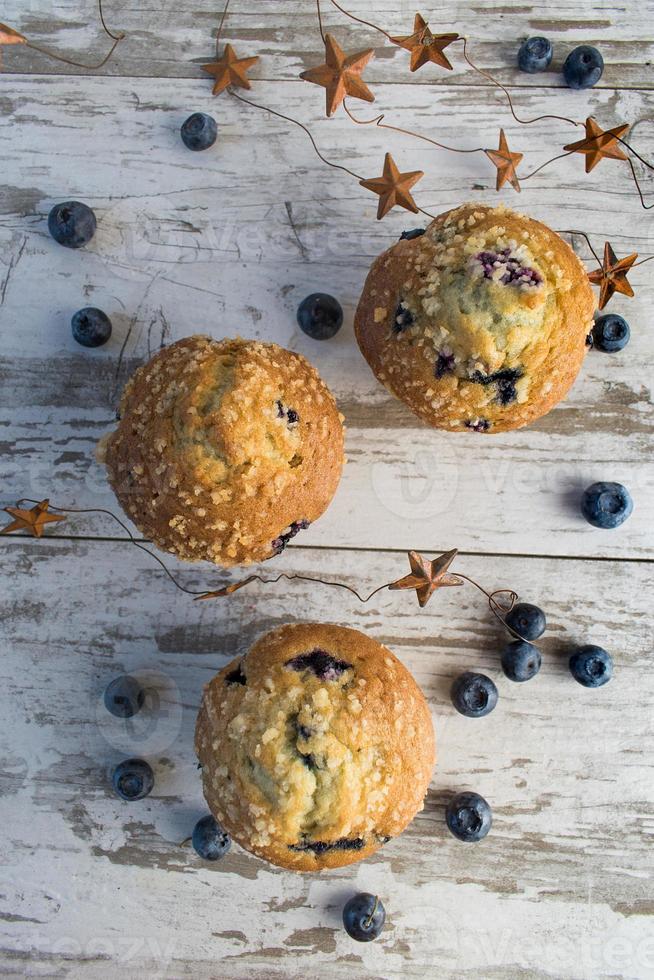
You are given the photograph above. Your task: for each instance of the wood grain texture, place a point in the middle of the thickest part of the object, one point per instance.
(175, 36)
(560, 884)
(199, 243)
(229, 242)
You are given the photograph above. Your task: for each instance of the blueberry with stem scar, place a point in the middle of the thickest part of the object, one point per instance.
(364, 917)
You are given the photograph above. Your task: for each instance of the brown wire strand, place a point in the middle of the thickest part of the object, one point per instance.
(575, 231)
(496, 606)
(296, 122)
(320, 27)
(70, 61)
(220, 27)
(117, 38)
(647, 207)
(360, 20)
(378, 121)
(114, 37)
(491, 78)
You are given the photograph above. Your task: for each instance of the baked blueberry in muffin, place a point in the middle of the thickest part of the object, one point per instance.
(225, 450)
(316, 747)
(481, 323)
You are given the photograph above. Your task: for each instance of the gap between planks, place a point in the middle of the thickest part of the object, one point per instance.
(88, 538)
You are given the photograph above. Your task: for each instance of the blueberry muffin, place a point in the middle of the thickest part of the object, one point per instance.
(225, 449)
(480, 323)
(316, 747)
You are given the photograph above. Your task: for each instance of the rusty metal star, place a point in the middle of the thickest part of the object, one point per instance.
(611, 277)
(427, 576)
(506, 162)
(425, 46)
(599, 143)
(230, 70)
(227, 589)
(393, 188)
(340, 75)
(32, 520)
(9, 36)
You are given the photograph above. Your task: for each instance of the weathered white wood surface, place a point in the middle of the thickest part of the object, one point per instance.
(172, 37)
(229, 241)
(560, 887)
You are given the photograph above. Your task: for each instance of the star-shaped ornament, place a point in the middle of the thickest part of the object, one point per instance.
(9, 36)
(226, 589)
(599, 143)
(427, 576)
(32, 520)
(425, 46)
(612, 276)
(393, 187)
(506, 162)
(340, 75)
(230, 70)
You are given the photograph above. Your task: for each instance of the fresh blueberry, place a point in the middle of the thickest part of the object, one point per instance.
(404, 318)
(526, 620)
(611, 333)
(413, 233)
(72, 224)
(124, 697)
(606, 505)
(91, 327)
(583, 67)
(210, 840)
(469, 817)
(320, 316)
(474, 695)
(535, 54)
(521, 660)
(133, 779)
(591, 666)
(364, 917)
(199, 132)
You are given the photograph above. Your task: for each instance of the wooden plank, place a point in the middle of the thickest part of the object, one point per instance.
(91, 886)
(200, 242)
(177, 37)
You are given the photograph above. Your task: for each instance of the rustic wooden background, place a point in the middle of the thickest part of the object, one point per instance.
(228, 242)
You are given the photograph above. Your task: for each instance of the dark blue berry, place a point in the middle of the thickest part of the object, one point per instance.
(444, 364)
(133, 779)
(91, 327)
(320, 316)
(199, 132)
(364, 917)
(124, 697)
(320, 663)
(413, 233)
(474, 695)
(606, 505)
(209, 839)
(477, 425)
(504, 380)
(583, 67)
(72, 224)
(535, 54)
(526, 620)
(591, 666)
(521, 660)
(611, 333)
(469, 817)
(282, 539)
(403, 319)
(322, 846)
(237, 675)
